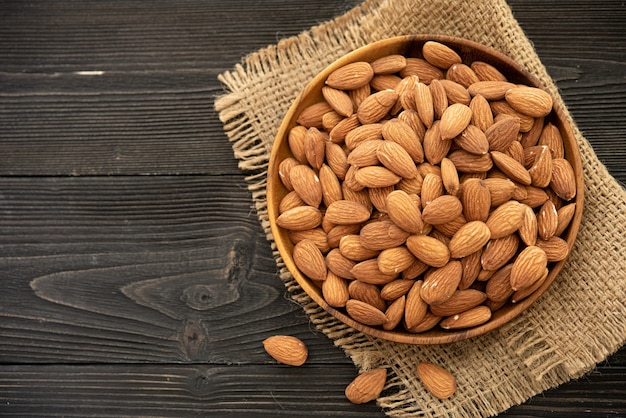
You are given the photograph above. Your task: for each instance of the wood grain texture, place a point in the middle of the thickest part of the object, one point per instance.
(135, 279)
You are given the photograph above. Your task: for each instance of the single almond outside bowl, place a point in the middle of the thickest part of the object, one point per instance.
(411, 46)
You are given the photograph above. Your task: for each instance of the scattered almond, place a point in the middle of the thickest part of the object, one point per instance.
(367, 386)
(286, 349)
(436, 379)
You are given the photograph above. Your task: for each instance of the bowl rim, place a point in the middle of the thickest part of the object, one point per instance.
(312, 93)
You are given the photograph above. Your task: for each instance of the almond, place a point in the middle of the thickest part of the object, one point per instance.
(565, 215)
(284, 168)
(365, 313)
(467, 162)
(312, 115)
(367, 386)
(404, 212)
(456, 93)
(460, 301)
(378, 197)
(529, 101)
(490, 89)
(376, 106)
(394, 260)
(527, 291)
(415, 270)
(563, 180)
(505, 219)
(338, 133)
(376, 176)
(415, 308)
(316, 235)
(401, 133)
(500, 190)
(435, 148)
(530, 138)
(556, 248)
(300, 218)
(511, 167)
(516, 151)
(462, 74)
(359, 94)
(499, 251)
(368, 293)
(310, 260)
(365, 153)
(295, 139)
(473, 140)
(476, 200)
(440, 284)
(385, 82)
(395, 313)
(432, 188)
(470, 238)
(442, 210)
(470, 318)
(454, 120)
(486, 72)
(498, 287)
(440, 100)
(290, 201)
(429, 250)
(286, 349)
(427, 323)
(363, 133)
(541, 170)
(528, 228)
(331, 119)
(351, 247)
(380, 235)
(471, 268)
(551, 137)
(437, 380)
(351, 76)
(396, 288)
(307, 184)
(547, 220)
(336, 159)
(331, 188)
(501, 107)
(343, 212)
(393, 156)
(389, 64)
(335, 290)
(338, 100)
(338, 264)
(482, 117)
(528, 267)
(411, 118)
(534, 196)
(440, 55)
(450, 177)
(421, 68)
(502, 133)
(424, 104)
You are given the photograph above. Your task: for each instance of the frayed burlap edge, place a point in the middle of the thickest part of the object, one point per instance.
(534, 352)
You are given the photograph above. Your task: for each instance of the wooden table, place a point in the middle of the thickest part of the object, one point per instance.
(134, 276)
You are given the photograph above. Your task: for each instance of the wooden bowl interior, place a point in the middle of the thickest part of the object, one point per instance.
(411, 46)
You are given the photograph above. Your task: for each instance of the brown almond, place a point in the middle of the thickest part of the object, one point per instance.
(389, 64)
(338, 133)
(406, 93)
(343, 212)
(367, 386)
(529, 101)
(499, 251)
(522, 294)
(380, 235)
(437, 380)
(531, 138)
(565, 215)
(500, 190)
(470, 238)
(311, 116)
(423, 69)
(338, 264)
(551, 137)
(365, 153)
(441, 283)
(376, 106)
(556, 248)
(505, 219)
(290, 201)
(337, 159)
(363, 133)
(300, 218)
(395, 313)
(473, 140)
(427, 323)
(415, 308)
(351, 76)
(335, 290)
(498, 287)
(547, 220)
(461, 301)
(307, 184)
(385, 82)
(563, 180)
(448, 229)
(454, 120)
(435, 148)
(415, 270)
(440, 99)
(310, 260)
(429, 250)
(467, 162)
(396, 288)
(365, 313)
(490, 90)
(468, 319)
(286, 349)
(502, 107)
(331, 188)
(440, 55)
(456, 93)
(528, 228)
(295, 139)
(486, 72)
(482, 117)
(317, 235)
(376, 176)
(351, 247)
(462, 74)
(378, 197)
(314, 147)
(502, 133)
(471, 268)
(441, 210)
(411, 118)
(368, 293)
(533, 196)
(338, 100)
(528, 267)
(401, 133)
(541, 170)
(284, 168)
(393, 156)
(359, 94)
(476, 200)
(424, 104)
(394, 260)
(511, 167)
(331, 119)
(404, 212)
(450, 177)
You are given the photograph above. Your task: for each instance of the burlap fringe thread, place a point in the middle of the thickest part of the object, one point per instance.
(535, 351)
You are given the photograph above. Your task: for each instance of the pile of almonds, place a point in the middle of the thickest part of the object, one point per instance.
(426, 192)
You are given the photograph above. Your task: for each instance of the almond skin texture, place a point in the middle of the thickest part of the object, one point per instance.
(393, 156)
(335, 290)
(454, 120)
(529, 101)
(367, 386)
(476, 200)
(428, 249)
(286, 349)
(563, 180)
(505, 219)
(376, 176)
(338, 100)
(310, 260)
(365, 313)
(437, 380)
(471, 318)
(470, 238)
(376, 106)
(511, 167)
(307, 184)
(404, 212)
(345, 212)
(440, 284)
(442, 210)
(351, 76)
(440, 55)
(300, 218)
(528, 267)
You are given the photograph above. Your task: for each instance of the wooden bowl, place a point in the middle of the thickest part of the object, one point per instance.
(411, 46)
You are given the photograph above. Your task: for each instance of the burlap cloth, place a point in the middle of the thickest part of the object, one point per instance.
(576, 324)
